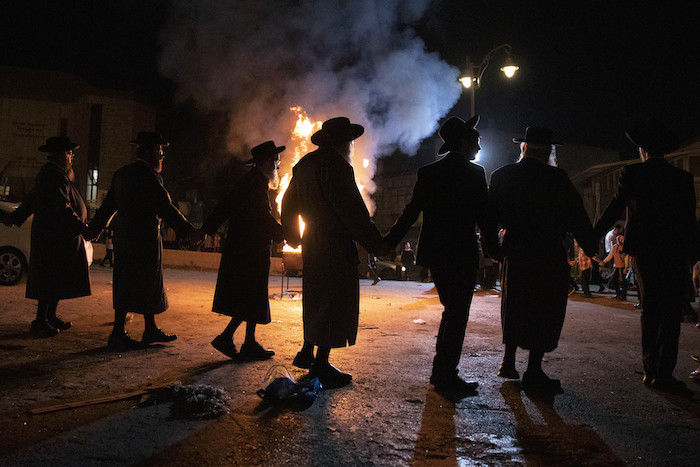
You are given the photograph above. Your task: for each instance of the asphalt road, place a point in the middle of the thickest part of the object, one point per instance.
(389, 415)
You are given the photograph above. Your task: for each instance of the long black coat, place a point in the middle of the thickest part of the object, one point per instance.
(138, 195)
(58, 266)
(324, 193)
(537, 205)
(451, 193)
(241, 287)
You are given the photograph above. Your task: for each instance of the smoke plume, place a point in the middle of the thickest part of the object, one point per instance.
(355, 58)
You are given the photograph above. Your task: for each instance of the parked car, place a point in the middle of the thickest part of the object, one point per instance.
(389, 270)
(14, 248)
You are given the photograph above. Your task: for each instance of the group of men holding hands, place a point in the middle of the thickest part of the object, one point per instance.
(532, 200)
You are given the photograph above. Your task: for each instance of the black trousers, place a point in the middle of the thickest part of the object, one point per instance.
(455, 287)
(586, 280)
(663, 281)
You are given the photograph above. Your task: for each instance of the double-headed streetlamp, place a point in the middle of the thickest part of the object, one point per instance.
(471, 78)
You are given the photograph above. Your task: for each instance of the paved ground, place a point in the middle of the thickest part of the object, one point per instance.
(388, 416)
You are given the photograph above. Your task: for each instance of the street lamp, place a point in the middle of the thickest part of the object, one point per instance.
(471, 78)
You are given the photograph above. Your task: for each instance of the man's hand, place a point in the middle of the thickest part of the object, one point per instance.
(195, 237)
(91, 234)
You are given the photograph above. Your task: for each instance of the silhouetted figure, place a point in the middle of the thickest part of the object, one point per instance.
(408, 259)
(451, 193)
(241, 286)
(324, 193)
(109, 248)
(537, 205)
(141, 200)
(58, 266)
(660, 203)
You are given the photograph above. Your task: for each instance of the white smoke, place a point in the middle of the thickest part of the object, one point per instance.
(355, 58)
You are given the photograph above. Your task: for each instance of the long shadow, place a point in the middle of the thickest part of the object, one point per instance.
(436, 439)
(555, 442)
(687, 403)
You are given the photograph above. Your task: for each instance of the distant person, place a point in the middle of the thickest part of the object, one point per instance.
(141, 201)
(608, 244)
(58, 267)
(584, 265)
(109, 248)
(242, 284)
(660, 203)
(451, 194)
(537, 205)
(324, 193)
(408, 259)
(621, 263)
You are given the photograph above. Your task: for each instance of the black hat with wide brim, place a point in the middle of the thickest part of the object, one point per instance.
(150, 138)
(264, 151)
(337, 130)
(537, 136)
(454, 129)
(653, 136)
(57, 144)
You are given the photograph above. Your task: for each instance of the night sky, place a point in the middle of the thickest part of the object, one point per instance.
(586, 72)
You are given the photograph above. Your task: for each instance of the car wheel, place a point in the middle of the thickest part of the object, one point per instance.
(388, 274)
(12, 265)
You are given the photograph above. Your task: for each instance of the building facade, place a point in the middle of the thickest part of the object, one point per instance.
(36, 104)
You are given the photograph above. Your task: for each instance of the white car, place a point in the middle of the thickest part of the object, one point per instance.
(14, 247)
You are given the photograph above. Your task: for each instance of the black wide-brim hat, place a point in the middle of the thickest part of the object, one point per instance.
(264, 151)
(337, 130)
(454, 129)
(653, 136)
(537, 136)
(57, 144)
(150, 138)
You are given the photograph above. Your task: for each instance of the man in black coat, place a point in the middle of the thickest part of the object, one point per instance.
(661, 204)
(241, 287)
(537, 205)
(141, 200)
(58, 266)
(452, 195)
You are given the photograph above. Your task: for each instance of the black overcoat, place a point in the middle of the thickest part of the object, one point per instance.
(58, 266)
(323, 191)
(141, 200)
(241, 286)
(452, 195)
(537, 205)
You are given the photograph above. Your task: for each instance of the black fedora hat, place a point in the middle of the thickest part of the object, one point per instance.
(58, 144)
(263, 151)
(653, 136)
(150, 138)
(537, 136)
(337, 130)
(455, 128)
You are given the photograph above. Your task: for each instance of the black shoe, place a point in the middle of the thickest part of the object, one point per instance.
(59, 324)
(122, 341)
(647, 379)
(670, 385)
(255, 351)
(508, 371)
(303, 360)
(40, 329)
(453, 383)
(225, 346)
(539, 382)
(329, 376)
(157, 335)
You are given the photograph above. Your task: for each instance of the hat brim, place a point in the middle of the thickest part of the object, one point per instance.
(49, 149)
(523, 140)
(349, 133)
(277, 150)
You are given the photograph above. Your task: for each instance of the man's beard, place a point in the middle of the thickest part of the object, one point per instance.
(274, 182)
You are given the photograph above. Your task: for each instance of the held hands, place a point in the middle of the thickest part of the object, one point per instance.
(91, 234)
(195, 237)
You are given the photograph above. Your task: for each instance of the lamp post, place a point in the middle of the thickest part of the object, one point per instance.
(471, 78)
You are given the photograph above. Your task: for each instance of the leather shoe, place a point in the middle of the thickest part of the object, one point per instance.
(647, 379)
(157, 335)
(303, 360)
(670, 385)
(255, 351)
(225, 346)
(508, 371)
(59, 324)
(453, 383)
(539, 382)
(695, 374)
(329, 376)
(40, 329)
(122, 341)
